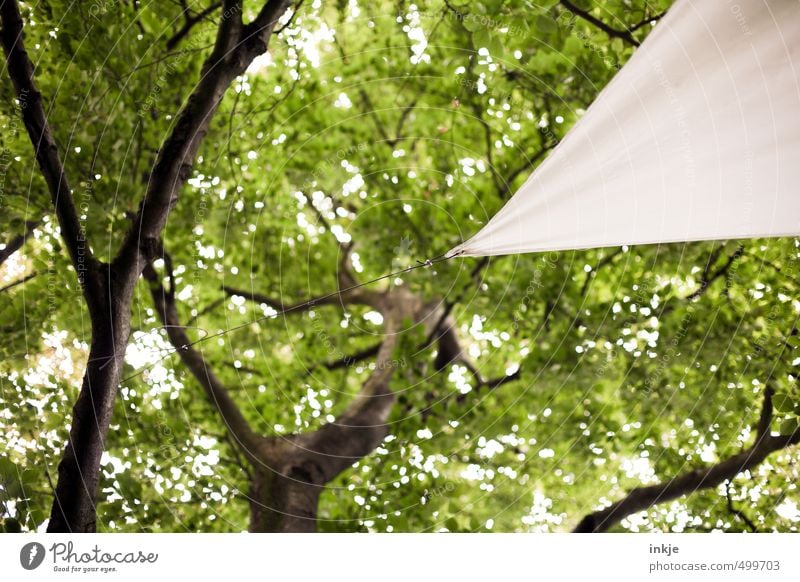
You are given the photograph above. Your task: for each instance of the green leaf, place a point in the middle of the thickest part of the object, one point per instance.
(782, 402)
(10, 479)
(789, 426)
(545, 24)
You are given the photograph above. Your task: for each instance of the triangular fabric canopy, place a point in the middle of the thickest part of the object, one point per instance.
(696, 138)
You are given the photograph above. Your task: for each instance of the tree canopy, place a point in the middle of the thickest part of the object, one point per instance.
(208, 173)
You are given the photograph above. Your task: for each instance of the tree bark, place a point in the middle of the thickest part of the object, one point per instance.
(284, 496)
(710, 477)
(74, 506)
(108, 289)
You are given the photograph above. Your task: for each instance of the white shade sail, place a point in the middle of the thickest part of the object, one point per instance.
(696, 138)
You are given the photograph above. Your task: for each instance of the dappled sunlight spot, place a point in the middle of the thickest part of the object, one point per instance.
(55, 363)
(14, 267)
(640, 469)
(540, 519)
(343, 101)
(416, 35)
(373, 317)
(260, 63)
(458, 376)
(487, 449)
(146, 351)
(311, 42)
(788, 510)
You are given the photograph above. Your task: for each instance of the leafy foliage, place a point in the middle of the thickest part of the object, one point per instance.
(400, 128)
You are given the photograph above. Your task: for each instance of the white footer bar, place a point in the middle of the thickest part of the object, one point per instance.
(407, 557)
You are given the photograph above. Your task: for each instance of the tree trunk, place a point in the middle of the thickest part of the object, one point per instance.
(285, 501)
(79, 470)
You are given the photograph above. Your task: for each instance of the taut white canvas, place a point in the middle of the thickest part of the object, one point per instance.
(696, 138)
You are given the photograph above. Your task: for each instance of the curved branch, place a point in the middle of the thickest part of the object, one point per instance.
(216, 391)
(610, 31)
(173, 164)
(642, 498)
(259, 30)
(362, 426)
(738, 513)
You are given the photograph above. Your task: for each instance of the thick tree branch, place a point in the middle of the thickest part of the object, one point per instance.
(174, 161)
(289, 22)
(259, 30)
(112, 289)
(217, 393)
(21, 71)
(235, 48)
(362, 426)
(285, 490)
(643, 498)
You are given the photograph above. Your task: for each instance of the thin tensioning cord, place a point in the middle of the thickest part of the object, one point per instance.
(310, 303)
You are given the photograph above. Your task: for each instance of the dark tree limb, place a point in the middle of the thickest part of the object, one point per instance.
(352, 359)
(108, 289)
(164, 301)
(17, 241)
(21, 70)
(295, 10)
(643, 498)
(625, 35)
(287, 489)
(257, 33)
(738, 513)
(13, 284)
(235, 48)
(646, 21)
(708, 278)
(190, 20)
(307, 304)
